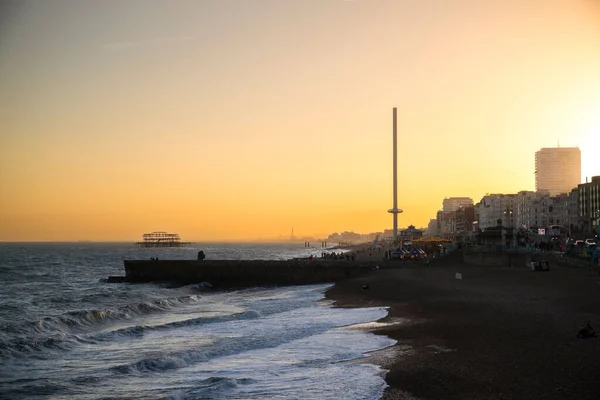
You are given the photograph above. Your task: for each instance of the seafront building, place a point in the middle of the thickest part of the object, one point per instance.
(529, 209)
(589, 205)
(558, 169)
(566, 211)
(455, 219)
(555, 202)
(560, 204)
(410, 233)
(494, 207)
(454, 203)
(534, 209)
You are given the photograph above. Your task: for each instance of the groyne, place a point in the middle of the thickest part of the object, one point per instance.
(242, 273)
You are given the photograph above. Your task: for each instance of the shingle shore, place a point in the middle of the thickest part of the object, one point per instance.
(504, 333)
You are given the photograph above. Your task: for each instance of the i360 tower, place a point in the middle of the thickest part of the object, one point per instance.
(395, 210)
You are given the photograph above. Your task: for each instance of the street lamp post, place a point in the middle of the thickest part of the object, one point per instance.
(508, 216)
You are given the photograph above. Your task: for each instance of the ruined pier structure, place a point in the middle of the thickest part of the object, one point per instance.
(162, 239)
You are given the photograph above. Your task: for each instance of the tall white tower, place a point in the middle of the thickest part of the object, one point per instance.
(395, 210)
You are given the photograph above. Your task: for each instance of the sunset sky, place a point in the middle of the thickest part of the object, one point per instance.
(240, 119)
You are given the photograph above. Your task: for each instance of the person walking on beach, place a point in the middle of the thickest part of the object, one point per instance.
(201, 255)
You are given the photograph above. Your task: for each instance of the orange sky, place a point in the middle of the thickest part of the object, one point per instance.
(231, 120)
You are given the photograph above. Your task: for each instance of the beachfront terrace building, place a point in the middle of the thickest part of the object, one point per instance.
(529, 209)
(589, 205)
(457, 223)
(566, 211)
(454, 219)
(533, 208)
(494, 207)
(539, 209)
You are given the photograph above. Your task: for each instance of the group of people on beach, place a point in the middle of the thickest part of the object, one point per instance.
(338, 256)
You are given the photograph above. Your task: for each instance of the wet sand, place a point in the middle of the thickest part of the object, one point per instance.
(503, 333)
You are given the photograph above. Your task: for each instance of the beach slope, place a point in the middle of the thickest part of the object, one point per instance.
(499, 333)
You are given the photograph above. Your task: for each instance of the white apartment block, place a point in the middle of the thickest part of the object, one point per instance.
(539, 209)
(494, 207)
(534, 209)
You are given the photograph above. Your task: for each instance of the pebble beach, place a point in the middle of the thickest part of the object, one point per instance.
(498, 333)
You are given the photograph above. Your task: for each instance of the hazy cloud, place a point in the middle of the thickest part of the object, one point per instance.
(149, 42)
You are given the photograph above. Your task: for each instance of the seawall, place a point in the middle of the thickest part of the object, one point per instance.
(243, 273)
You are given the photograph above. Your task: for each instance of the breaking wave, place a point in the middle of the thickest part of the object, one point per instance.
(68, 330)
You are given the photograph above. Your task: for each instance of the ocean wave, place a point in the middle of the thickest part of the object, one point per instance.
(64, 341)
(34, 390)
(158, 364)
(63, 331)
(27, 345)
(226, 346)
(140, 330)
(85, 318)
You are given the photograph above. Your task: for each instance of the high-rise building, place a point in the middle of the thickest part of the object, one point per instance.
(557, 169)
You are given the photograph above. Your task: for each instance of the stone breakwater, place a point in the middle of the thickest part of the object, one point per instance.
(243, 273)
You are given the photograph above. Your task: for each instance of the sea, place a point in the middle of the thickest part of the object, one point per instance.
(66, 333)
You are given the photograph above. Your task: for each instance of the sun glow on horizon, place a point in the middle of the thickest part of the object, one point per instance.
(224, 122)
